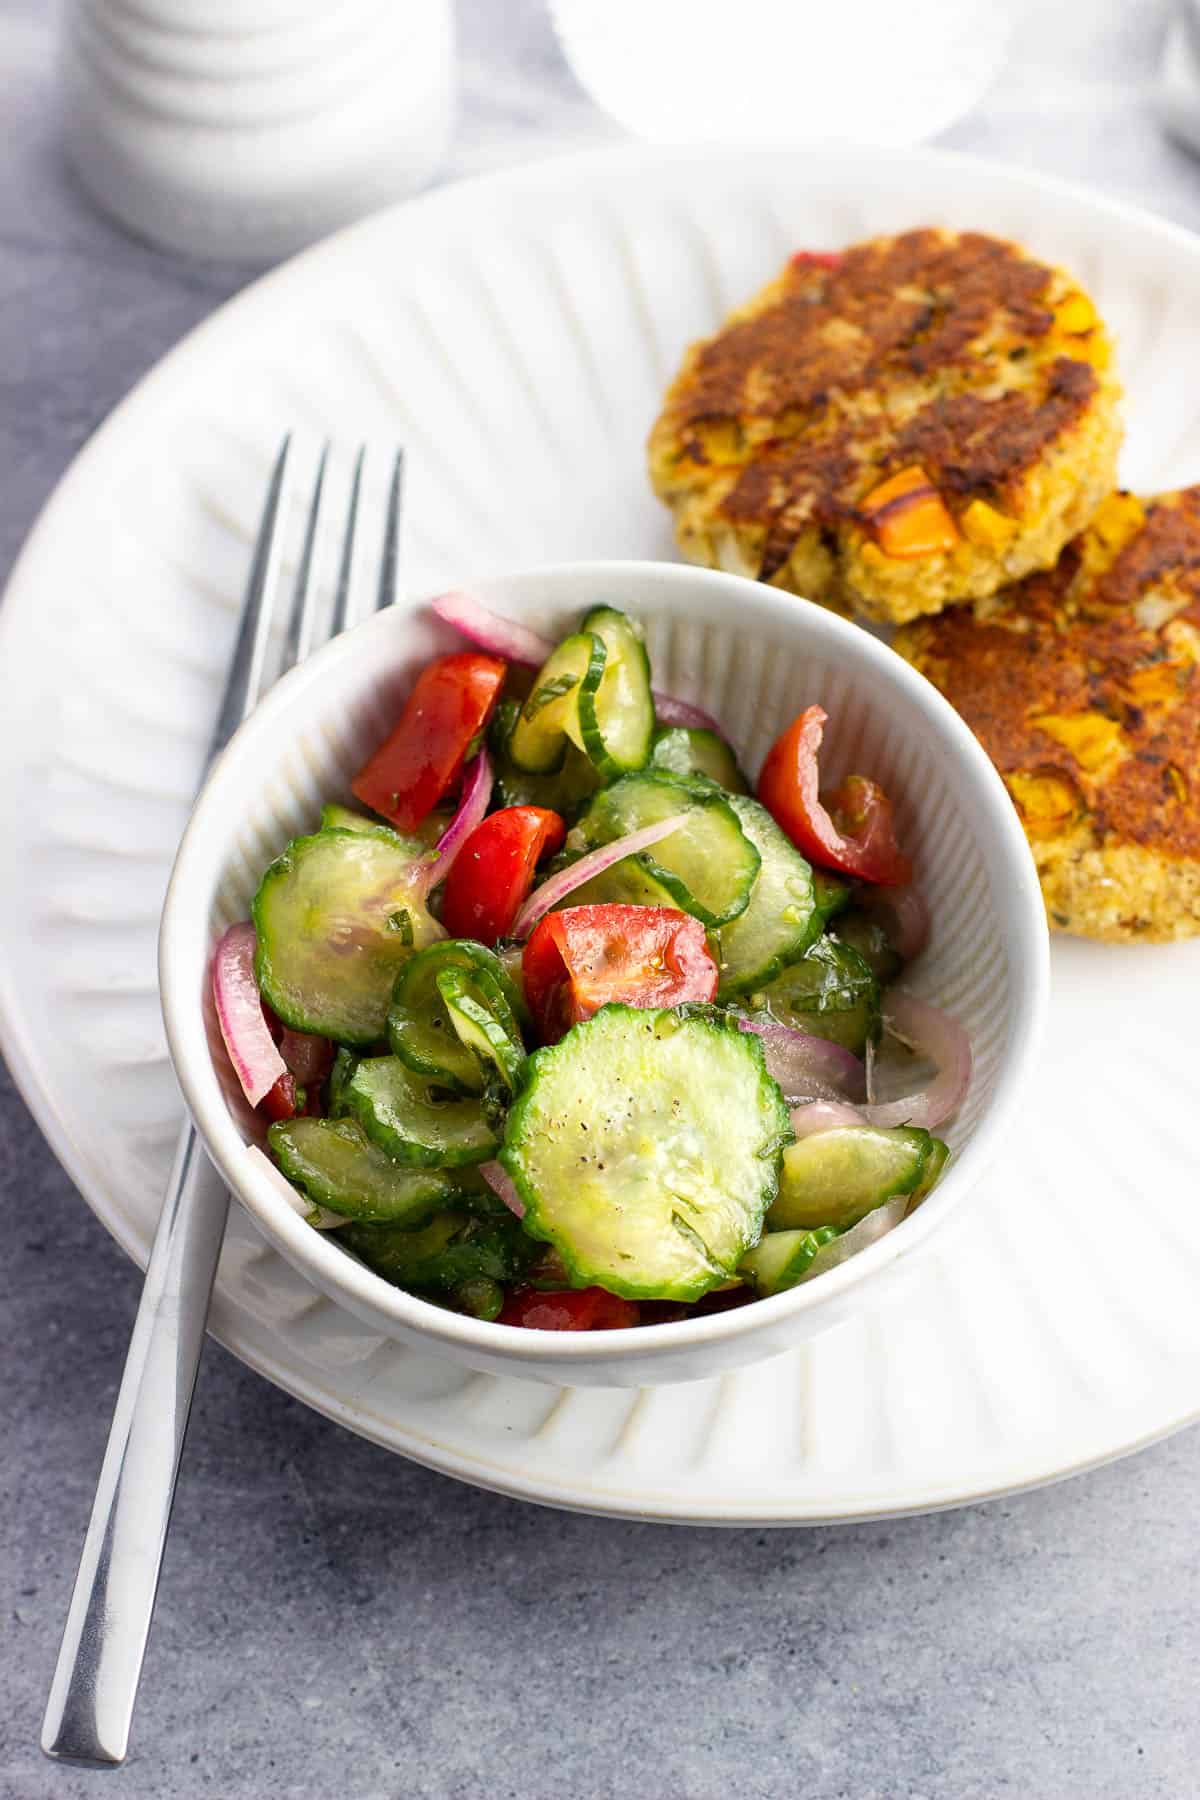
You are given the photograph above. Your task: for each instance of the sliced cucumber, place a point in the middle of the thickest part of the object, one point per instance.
(479, 1296)
(867, 936)
(334, 1164)
(689, 750)
(614, 722)
(646, 1148)
(780, 921)
(342, 818)
(549, 718)
(931, 1174)
(564, 790)
(838, 1177)
(336, 918)
(831, 893)
(626, 883)
(344, 1065)
(483, 1022)
(404, 1114)
(453, 1248)
(424, 1033)
(829, 993)
(780, 1259)
(708, 866)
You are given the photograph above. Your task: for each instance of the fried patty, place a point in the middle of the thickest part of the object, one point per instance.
(979, 376)
(1082, 684)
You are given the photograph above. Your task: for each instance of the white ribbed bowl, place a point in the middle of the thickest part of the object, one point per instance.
(754, 657)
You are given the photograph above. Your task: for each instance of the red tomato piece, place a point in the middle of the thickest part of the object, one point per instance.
(815, 259)
(280, 1102)
(493, 873)
(854, 833)
(569, 1309)
(578, 960)
(423, 757)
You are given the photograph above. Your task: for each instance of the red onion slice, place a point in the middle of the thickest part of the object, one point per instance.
(823, 1115)
(256, 1061)
(904, 916)
(502, 1184)
(942, 1039)
(807, 1068)
(670, 711)
(500, 637)
(877, 1224)
(595, 862)
(518, 643)
(472, 808)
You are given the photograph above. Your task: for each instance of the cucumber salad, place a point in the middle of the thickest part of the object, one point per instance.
(567, 1024)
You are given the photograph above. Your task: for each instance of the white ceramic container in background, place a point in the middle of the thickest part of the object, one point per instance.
(754, 657)
(789, 71)
(247, 131)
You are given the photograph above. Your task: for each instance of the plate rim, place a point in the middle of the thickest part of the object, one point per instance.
(20, 590)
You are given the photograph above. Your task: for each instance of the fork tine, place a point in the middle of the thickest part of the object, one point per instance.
(341, 604)
(250, 649)
(298, 641)
(389, 567)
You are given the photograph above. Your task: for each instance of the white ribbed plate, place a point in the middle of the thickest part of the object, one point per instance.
(516, 332)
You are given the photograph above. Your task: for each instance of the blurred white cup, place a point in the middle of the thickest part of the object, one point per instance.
(784, 71)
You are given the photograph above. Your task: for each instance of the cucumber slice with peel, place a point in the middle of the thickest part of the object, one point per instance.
(831, 893)
(931, 1174)
(780, 920)
(421, 1030)
(838, 1177)
(626, 883)
(646, 1148)
(867, 936)
(336, 917)
(549, 718)
(564, 790)
(692, 750)
(405, 1114)
(473, 1005)
(829, 992)
(334, 1164)
(780, 1259)
(614, 721)
(708, 866)
(344, 1064)
(452, 1248)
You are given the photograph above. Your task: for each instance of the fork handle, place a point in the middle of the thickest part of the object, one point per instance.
(99, 1663)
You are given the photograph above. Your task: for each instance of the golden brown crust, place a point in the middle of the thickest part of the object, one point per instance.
(971, 446)
(909, 305)
(1083, 685)
(938, 349)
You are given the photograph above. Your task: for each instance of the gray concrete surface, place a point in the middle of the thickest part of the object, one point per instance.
(335, 1622)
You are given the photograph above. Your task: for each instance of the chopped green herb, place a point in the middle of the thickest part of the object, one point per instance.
(549, 690)
(401, 921)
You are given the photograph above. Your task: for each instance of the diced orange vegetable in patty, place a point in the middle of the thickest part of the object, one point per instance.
(908, 516)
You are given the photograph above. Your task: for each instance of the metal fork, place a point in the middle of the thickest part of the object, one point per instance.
(95, 1684)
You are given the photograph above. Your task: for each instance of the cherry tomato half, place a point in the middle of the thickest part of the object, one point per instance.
(280, 1101)
(423, 757)
(579, 959)
(854, 832)
(493, 872)
(571, 1309)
